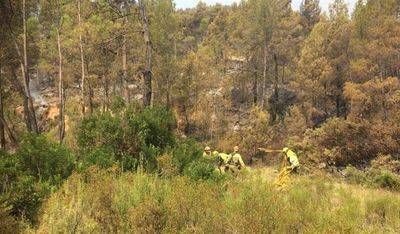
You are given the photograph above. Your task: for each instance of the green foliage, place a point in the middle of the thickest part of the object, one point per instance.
(186, 158)
(152, 126)
(134, 138)
(355, 176)
(26, 197)
(9, 170)
(201, 170)
(374, 178)
(29, 175)
(184, 153)
(45, 160)
(101, 157)
(103, 130)
(117, 104)
(387, 180)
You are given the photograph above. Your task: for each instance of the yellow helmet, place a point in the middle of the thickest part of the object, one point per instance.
(207, 148)
(215, 153)
(285, 150)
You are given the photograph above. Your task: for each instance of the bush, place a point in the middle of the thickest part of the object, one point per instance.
(102, 157)
(103, 130)
(374, 178)
(29, 175)
(201, 170)
(152, 126)
(345, 142)
(186, 158)
(117, 104)
(166, 167)
(184, 153)
(134, 138)
(26, 197)
(355, 176)
(342, 142)
(388, 180)
(9, 171)
(45, 160)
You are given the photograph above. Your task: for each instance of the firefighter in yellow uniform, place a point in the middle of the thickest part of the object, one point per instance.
(284, 175)
(207, 153)
(235, 162)
(222, 161)
(290, 158)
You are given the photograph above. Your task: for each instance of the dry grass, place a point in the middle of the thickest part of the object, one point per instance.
(100, 201)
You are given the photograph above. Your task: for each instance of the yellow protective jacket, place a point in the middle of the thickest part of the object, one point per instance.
(236, 160)
(207, 156)
(224, 157)
(292, 158)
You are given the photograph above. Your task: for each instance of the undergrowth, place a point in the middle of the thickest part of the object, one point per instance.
(98, 201)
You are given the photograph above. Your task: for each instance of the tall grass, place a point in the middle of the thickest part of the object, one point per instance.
(99, 201)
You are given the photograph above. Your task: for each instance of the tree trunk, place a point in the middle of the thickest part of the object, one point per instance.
(147, 74)
(32, 116)
(19, 87)
(125, 70)
(265, 70)
(91, 94)
(276, 75)
(11, 136)
(106, 99)
(82, 52)
(2, 133)
(61, 95)
(254, 88)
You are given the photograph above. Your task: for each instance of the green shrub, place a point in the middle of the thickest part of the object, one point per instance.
(201, 170)
(184, 153)
(117, 104)
(148, 157)
(45, 160)
(166, 167)
(355, 176)
(135, 138)
(36, 169)
(388, 180)
(29, 175)
(374, 178)
(103, 130)
(152, 126)
(26, 197)
(129, 163)
(9, 171)
(102, 157)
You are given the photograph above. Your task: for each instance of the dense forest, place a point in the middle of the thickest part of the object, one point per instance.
(106, 107)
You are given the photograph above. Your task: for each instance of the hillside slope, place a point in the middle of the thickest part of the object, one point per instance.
(100, 201)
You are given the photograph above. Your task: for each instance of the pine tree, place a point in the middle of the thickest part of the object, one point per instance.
(310, 12)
